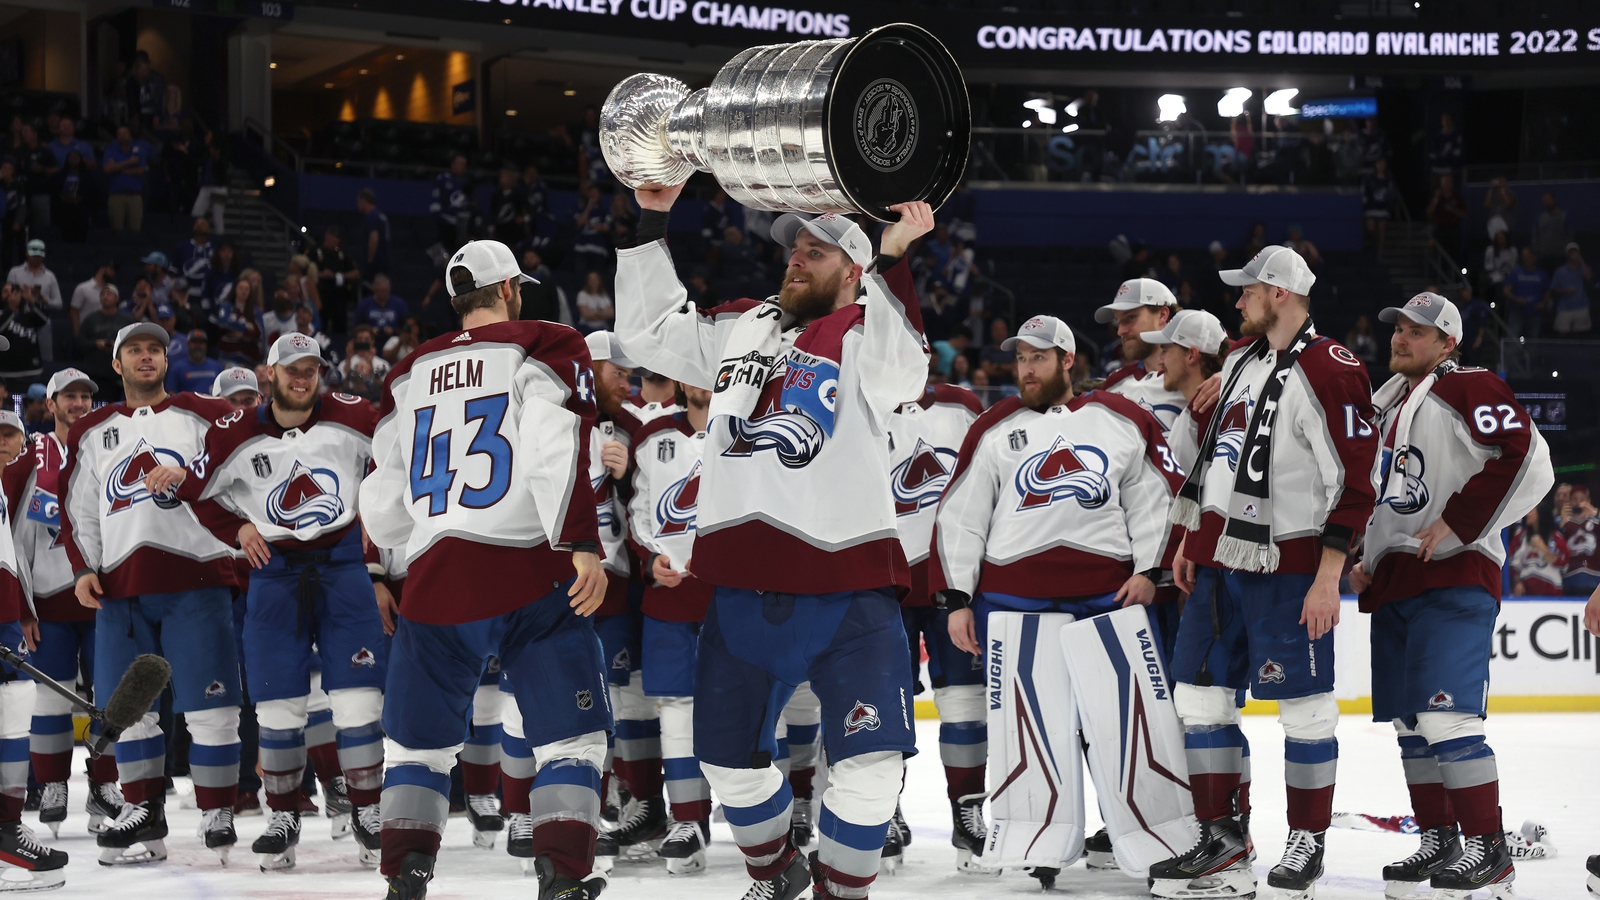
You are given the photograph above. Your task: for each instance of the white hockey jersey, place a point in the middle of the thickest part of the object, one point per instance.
(141, 543)
(1478, 461)
(785, 505)
(924, 441)
(667, 456)
(299, 486)
(1149, 390)
(1068, 502)
(482, 456)
(32, 486)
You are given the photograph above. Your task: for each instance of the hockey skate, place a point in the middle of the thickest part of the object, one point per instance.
(137, 836)
(1097, 853)
(519, 841)
(617, 800)
(787, 884)
(802, 821)
(53, 806)
(892, 855)
(103, 805)
(1217, 866)
(1532, 841)
(276, 846)
(1485, 862)
(483, 810)
(899, 823)
(1441, 846)
(416, 870)
(641, 830)
(216, 829)
(365, 824)
(555, 886)
(1594, 875)
(1045, 875)
(35, 796)
(685, 847)
(1295, 876)
(336, 805)
(968, 833)
(20, 852)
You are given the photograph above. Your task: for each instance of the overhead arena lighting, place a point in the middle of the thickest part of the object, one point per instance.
(1170, 107)
(1068, 129)
(1231, 106)
(1043, 109)
(1074, 106)
(1278, 103)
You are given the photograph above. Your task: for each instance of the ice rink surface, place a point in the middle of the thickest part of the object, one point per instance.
(1549, 766)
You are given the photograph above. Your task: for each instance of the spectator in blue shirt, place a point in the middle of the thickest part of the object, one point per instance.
(375, 224)
(382, 310)
(1569, 287)
(126, 162)
(1527, 292)
(193, 371)
(192, 258)
(67, 141)
(451, 204)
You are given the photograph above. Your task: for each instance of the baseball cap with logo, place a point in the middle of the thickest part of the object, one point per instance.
(36, 248)
(1427, 308)
(830, 228)
(291, 347)
(604, 346)
(1043, 332)
(9, 419)
(1277, 266)
(130, 332)
(490, 262)
(233, 380)
(164, 311)
(1190, 328)
(1134, 293)
(66, 378)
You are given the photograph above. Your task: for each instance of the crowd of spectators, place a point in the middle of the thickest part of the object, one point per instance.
(1541, 283)
(1554, 550)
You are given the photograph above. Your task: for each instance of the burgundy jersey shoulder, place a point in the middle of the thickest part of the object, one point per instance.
(550, 342)
(1134, 370)
(730, 308)
(1326, 361)
(991, 417)
(15, 477)
(677, 422)
(348, 410)
(204, 405)
(1142, 418)
(951, 393)
(1469, 387)
(92, 419)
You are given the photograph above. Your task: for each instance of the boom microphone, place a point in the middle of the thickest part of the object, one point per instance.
(144, 681)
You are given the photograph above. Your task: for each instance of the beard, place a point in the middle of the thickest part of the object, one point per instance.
(1251, 327)
(1410, 366)
(1134, 349)
(813, 300)
(1045, 393)
(283, 398)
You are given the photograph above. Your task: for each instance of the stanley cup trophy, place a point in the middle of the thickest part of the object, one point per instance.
(839, 126)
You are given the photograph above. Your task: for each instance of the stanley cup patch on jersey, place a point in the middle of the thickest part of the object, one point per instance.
(308, 497)
(675, 510)
(1065, 471)
(126, 487)
(919, 481)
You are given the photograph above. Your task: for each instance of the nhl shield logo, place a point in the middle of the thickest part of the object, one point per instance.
(585, 700)
(215, 689)
(1442, 700)
(864, 717)
(363, 657)
(262, 465)
(1272, 672)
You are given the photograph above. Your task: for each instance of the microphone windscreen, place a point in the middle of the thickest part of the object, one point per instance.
(138, 690)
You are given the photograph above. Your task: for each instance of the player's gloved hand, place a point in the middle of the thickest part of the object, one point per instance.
(589, 590)
(1206, 396)
(254, 546)
(614, 457)
(162, 478)
(660, 200)
(1359, 579)
(88, 590)
(963, 630)
(1182, 569)
(388, 606)
(665, 575)
(916, 220)
(1136, 590)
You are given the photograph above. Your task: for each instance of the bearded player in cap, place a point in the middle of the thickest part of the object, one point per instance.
(1188, 351)
(796, 525)
(480, 481)
(1281, 491)
(64, 632)
(1142, 304)
(290, 469)
(163, 582)
(1461, 460)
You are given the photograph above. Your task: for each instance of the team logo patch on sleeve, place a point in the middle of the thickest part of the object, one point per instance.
(864, 717)
(1272, 672)
(363, 657)
(1442, 700)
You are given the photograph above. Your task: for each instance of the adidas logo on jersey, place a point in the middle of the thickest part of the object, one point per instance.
(463, 336)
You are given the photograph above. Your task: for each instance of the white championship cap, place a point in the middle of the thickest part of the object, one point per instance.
(1134, 293)
(291, 347)
(1277, 266)
(490, 262)
(1191, 328)
(66, 378)
(830, 228)
(1043, 332)
(233, 380)
(603, 345)
(9, 419)
(130, 332)
(1427, 308)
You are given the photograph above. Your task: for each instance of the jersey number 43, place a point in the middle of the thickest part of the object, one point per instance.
(433, 477)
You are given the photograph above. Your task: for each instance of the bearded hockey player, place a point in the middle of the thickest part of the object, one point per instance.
(1189, 350)
(795, 525)
(161, 581)
(1281, 489)
(1142, 304)
(64, 632)
(1461, 460)
(481, 461)
(925, 437)
(292, 467)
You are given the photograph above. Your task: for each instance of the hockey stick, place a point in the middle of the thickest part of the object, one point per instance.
(144, 681)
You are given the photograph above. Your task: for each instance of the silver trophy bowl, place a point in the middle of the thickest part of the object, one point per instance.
(840, 126)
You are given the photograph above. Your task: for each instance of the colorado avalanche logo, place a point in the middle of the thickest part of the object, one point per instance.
(1412, 497)
(794, 437)
(1273, 672)
(1582, 544)
(864, 717)
(1230, 431)
(918, 482)
(676, 508)
(363, 657)
(1442, 700)
(1066, 470)
(125, 486)
(309, 497)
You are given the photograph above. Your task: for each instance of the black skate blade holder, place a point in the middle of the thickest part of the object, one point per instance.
(144, 681)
